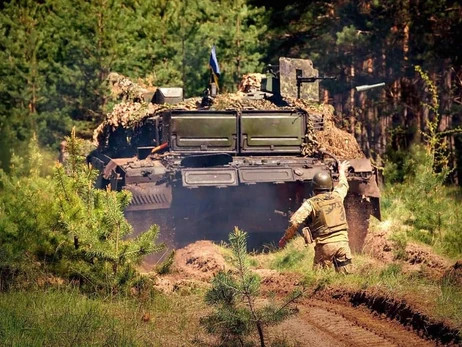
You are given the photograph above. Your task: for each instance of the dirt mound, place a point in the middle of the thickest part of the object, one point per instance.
(200, 260)
(415, 257)
(275, 282)
(196, 264)
(378, 245)
(193, 267)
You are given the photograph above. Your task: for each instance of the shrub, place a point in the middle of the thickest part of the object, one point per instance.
(65, 227)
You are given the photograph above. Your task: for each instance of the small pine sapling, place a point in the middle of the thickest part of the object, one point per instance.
(236, 297)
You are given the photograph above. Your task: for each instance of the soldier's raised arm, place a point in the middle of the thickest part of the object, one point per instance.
(342, 186)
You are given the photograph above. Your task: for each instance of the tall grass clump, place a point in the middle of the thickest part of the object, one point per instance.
(296, 256)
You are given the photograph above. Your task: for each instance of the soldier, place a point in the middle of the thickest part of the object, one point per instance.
(325, 215)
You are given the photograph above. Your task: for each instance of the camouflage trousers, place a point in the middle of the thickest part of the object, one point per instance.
(335, 253)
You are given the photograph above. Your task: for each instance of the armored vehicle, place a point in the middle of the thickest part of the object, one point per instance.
(198, 169)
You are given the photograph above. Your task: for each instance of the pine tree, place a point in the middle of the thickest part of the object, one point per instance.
(237, 29)
(234, 295)
(65, 227)
(22, 67)
(94, 220)
(91, 39)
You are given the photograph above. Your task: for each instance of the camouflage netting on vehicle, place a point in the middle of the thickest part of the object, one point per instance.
(340, 143)
(130, 114)
(123, 89)
(250, 82)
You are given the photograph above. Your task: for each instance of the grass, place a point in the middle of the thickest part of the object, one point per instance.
(449, 302)
(57, 318)
(295, 257)
(66, 318)
(425, 212)
(432, 218)
(422, 211)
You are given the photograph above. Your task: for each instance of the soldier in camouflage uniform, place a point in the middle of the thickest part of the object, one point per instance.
(325, 215)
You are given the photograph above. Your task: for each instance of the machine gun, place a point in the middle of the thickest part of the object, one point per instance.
(301, 80)
(279, 80)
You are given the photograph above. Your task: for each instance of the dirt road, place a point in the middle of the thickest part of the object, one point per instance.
(320, 323)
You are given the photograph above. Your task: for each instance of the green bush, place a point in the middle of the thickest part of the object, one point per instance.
(420, 199)
(428, 208)
(62, 226)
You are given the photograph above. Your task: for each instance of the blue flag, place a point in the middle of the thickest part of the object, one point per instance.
(214, 62)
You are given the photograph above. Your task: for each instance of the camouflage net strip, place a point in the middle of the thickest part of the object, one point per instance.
(250, 82)
(340, 143)
(131, 113)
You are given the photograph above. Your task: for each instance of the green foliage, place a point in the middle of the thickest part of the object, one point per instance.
(294, 257)
(425, 197)
(58, 318)
(391, 271)
(66, 227)
(449, 300)
(399, 240)
(234, 295)
(290, 260)
(165, 266)
(422, 200)
(95, 221)
(27, 219)
(22, 50)
(236, 28)
(436, 140)
(55, 57)
(349, 37)
(397, 166)
(426, 209)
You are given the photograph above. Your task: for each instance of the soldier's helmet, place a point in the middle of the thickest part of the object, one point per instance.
(322, 181)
